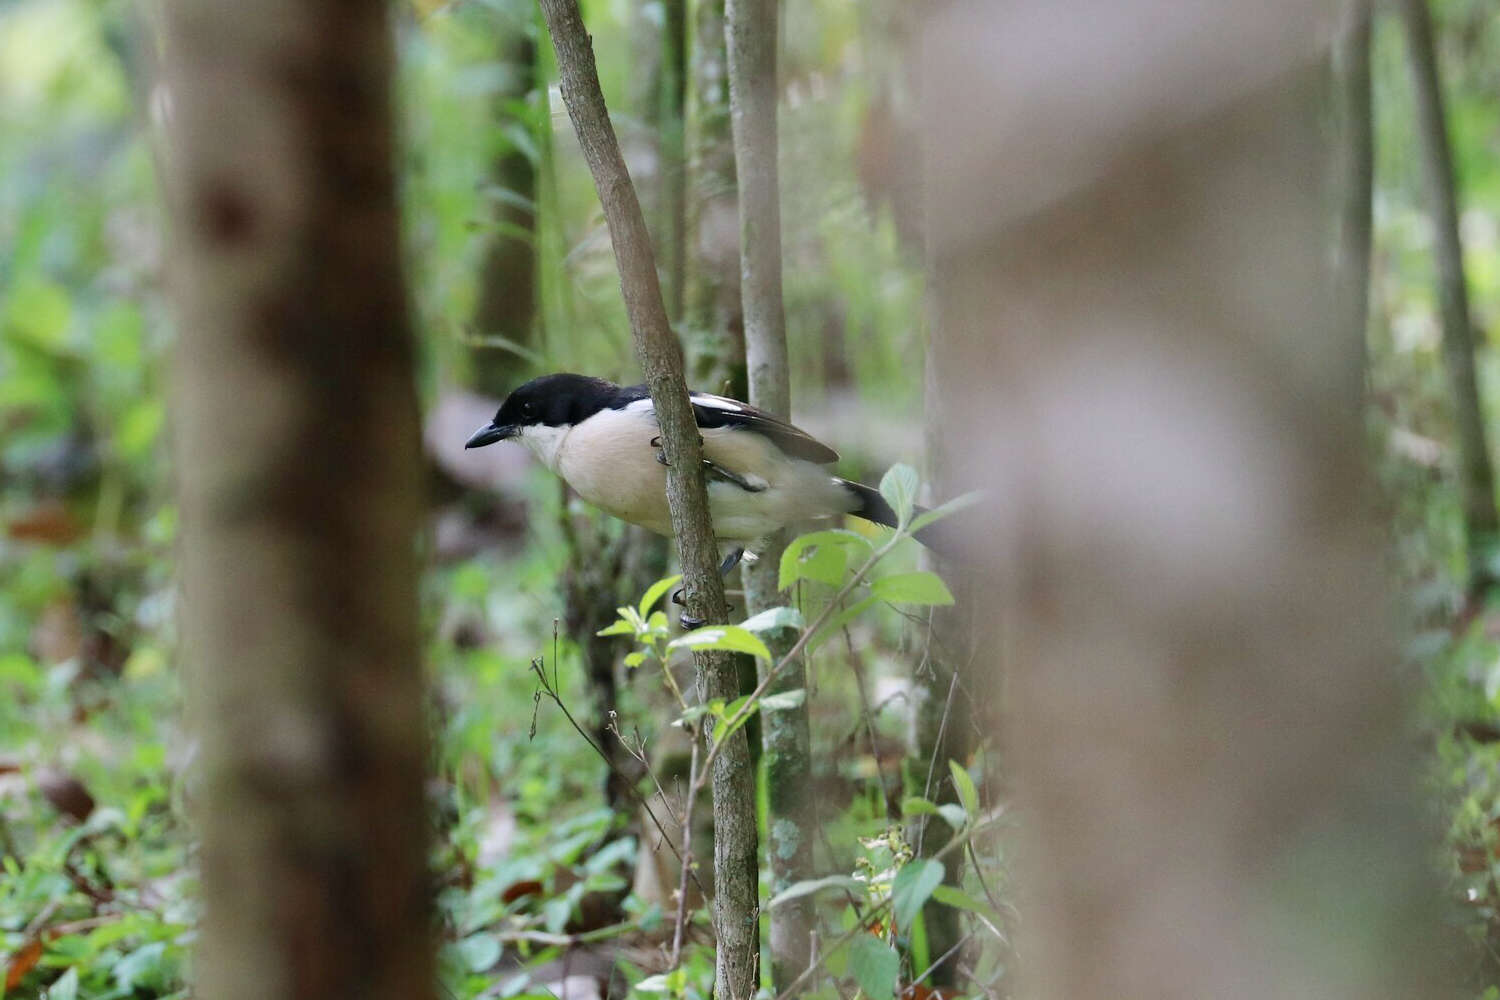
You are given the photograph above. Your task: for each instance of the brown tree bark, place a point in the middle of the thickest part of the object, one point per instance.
(735, 899)
(296, 436)
(1203, 715)
(1476, 474)
(751, 34)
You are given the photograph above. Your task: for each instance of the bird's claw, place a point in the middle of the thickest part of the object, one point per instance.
(731, 560)
(687, 621)
(661, 453)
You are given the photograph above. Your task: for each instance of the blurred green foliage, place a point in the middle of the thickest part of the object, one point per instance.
(99, 902)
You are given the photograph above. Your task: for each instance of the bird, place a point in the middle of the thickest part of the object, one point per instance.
(603, 439)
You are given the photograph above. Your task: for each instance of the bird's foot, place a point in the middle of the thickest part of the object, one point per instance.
(661, 453)
(687, 621)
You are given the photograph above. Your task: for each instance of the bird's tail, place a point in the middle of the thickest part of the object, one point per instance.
(871, 506)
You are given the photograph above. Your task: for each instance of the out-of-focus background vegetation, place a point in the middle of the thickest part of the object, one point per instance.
(97, 889)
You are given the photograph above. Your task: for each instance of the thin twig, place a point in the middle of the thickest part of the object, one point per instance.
(687, 861)
(856, 667)
(943, 957)
(638, 752)
(979, 873)
(937, 746)
(539, 669)
(564, 940)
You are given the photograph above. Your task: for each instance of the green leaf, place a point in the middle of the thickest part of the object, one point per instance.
(809, 563)
(773, 619)
(522, 141)
(875, 965)
(673, 982)
(66, 986)
(917, 587)
(826, 561)
(555, 913)
(20, 670)
(723, 711)
(655, 591)
(633, 660)
(729, 638)
(899, 486)
(39, 313)
(783, 700)
(915, 805)
(479, 951)
(728, 724)
(620, 627)
(654, 984)
(953, 815)
(142, 966)
(137, 429)
(809, 886)
(958, 899)
(913, 885)
(941, 511)
(967, 793)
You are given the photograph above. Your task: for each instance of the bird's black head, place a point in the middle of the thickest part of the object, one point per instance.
(559, 400)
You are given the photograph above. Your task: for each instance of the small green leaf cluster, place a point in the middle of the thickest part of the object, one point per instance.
(889, 878)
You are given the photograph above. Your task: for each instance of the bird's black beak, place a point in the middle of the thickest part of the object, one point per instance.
(489, 434)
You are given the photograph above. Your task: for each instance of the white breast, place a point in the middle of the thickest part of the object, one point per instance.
(609, 461)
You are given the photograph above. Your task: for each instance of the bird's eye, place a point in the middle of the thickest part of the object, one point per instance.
(528, 411)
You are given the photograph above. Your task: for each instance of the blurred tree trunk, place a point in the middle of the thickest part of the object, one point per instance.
(714, 327)
(1203, 712)
(751, 37)
(507, 306)
(671, 226)
(658, 95)
(1357, 173)
(1476, 473)
(297, 471)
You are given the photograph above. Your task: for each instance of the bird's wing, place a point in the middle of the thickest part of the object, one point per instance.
(720, 411)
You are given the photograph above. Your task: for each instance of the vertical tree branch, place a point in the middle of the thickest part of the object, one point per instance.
(714, 322)
(751, 35)
(661, 363)
(672, 168)
(1356, 174)
(296, 435)
(1476, 472)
